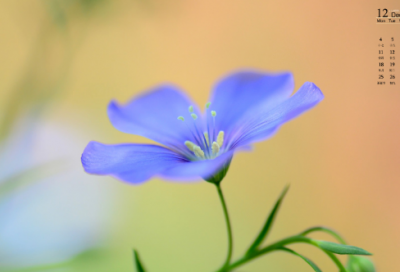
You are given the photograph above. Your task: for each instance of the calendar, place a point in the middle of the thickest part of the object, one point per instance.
(387, 47)
(387, 61)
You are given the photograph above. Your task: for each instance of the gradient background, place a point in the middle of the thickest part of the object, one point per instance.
(60, 65)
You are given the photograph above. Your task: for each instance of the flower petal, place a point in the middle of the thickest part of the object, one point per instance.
(133, 163)
(154, 116)
(261, 124)
(196, 169)
(240, 92)
(136, 163)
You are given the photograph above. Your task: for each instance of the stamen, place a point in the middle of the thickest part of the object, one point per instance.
(215, 148)
(220, 138)
(213, 114)
(206, 136)
(206, 145)
(198, 152)
(197, 136)
(190, 145)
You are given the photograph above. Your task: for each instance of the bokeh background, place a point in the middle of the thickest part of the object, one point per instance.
(61, 62)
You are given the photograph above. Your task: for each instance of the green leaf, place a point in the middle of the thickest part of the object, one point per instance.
(311, 263)
(139, 266)
(341, 249)
(268, 224)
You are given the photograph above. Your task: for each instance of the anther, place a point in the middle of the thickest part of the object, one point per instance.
(206, 145)
(215, 148)
(198, 152)
(194, 116)
(190, 145)
(220, 138)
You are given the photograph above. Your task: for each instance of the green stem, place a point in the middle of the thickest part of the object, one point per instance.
(228, 227)
(277, 246)
(336, 261)
(327, 230)
(268, 249)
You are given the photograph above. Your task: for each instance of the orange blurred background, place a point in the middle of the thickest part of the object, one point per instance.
(341, 158)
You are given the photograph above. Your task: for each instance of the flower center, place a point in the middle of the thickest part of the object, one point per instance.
(208, 143)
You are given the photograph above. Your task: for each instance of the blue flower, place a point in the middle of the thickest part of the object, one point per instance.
(245, 107)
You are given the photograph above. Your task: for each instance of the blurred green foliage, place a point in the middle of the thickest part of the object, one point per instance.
(62, 11)
(80, 260)
(33, 174)
(41, 82)
(50, 60)
(360, 264)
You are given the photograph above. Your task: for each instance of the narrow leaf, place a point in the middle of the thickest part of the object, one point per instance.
(311, 263)
(139, 266)
(341, 249)
(268, 224)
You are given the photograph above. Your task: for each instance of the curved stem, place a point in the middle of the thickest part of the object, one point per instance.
(228, 227)
(277, 246)
(270, 248)
(327, 230)
(336, 261)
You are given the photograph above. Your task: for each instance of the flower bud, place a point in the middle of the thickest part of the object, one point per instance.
(360, 264)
